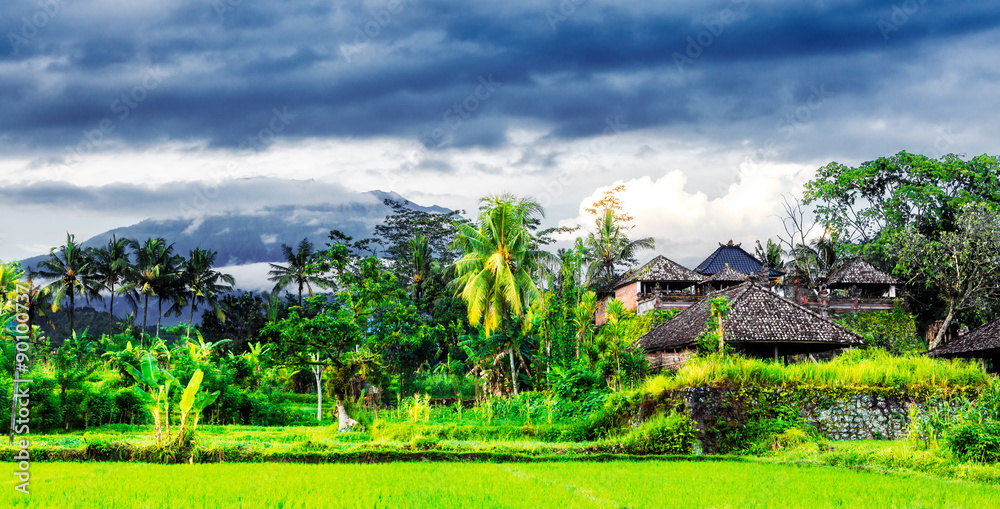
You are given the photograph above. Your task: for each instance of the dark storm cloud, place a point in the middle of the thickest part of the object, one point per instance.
(399, 68)
(184, 198)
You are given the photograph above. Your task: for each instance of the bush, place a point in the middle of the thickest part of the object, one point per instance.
(663, 434)
(575, 383)
(237, 406)
(130, 407)
(973, 441)
(46, 409)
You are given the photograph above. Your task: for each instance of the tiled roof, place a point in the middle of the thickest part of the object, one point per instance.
(756, 315)
(660, 269)
(727, 275)
(734, 256)
(857, 271)
(984, 339)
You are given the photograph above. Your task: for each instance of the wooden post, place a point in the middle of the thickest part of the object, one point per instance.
(775, 354)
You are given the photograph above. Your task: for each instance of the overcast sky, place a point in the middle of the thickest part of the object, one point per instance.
(707, 111)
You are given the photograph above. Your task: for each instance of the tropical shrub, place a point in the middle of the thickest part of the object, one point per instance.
(975, 441)
(664, 434)
(575, 383)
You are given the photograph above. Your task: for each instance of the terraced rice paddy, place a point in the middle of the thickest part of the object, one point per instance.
(678, 484)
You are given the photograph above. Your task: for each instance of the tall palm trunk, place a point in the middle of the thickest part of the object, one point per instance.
(513, 370)
(111, 317)
(72, 317)
(145, 306)
(190, 318)
(159, 314)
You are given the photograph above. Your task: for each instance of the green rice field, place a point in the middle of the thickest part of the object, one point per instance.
(679, 484)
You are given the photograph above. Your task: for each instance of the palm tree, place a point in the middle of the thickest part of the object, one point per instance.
(494, 274)
(302, 269)
(608, 247)
(202, 284)
(111, 266)
(421, 263)
(10, 275)
(154, 273)
(71, 267)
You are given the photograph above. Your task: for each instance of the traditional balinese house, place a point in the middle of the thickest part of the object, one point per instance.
(725, 278)
(760, 323)
(659, 284)
(733, 256)
(983, 342)
(859, 286)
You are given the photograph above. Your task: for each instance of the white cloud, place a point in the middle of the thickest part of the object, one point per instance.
(687, 225)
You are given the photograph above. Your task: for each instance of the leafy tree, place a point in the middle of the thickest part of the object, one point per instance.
(331, 335)
(202, 284)
(494, 275)
(111, 267)
(961, 265)
(406, 223)
(302, 269)
(869, 204)
(770, 254)
(246, 314)
(609, 247)
(71, 267)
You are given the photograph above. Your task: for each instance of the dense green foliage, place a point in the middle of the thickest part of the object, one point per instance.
(894, 331)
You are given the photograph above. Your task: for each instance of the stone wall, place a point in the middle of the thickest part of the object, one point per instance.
(718, 412)
(861, 417)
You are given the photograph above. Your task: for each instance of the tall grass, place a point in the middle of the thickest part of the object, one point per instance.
(857, 368)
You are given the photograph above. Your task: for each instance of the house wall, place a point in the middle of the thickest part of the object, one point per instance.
(666, 359)
(629, 295)
(601, 315)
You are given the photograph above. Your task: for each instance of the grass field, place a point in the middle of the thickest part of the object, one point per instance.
(616, 484)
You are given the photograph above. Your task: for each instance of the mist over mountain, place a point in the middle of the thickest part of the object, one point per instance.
(255, 235)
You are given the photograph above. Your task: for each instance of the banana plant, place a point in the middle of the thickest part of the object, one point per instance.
(201, 401)
(187, 399)
(156, 393)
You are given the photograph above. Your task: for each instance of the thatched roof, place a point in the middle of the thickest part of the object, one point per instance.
(983, 341)
(660, 269)
(727, 275)
(734, 256)
(857, 271)
(756, 316)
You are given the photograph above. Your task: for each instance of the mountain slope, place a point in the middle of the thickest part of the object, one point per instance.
(255, 236)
